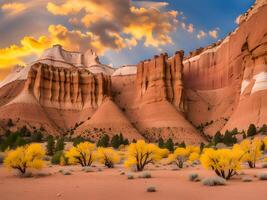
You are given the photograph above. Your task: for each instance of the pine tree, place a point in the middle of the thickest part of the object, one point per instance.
(103, 141)
(217, 138)
(50, 146)
(169, 145)
(60, 144)
(161, 143)
(251, 130)
(115, 142)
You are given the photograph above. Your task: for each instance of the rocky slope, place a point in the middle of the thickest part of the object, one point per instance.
(220, 87)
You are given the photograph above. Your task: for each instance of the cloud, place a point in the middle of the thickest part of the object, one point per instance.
(214, 33)
(201, 34)
(118, 21)
(190, 28)
(13, 8)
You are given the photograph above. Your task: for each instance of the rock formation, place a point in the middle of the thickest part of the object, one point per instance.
(220, 87)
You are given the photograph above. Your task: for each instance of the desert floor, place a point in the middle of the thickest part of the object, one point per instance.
(108, 184)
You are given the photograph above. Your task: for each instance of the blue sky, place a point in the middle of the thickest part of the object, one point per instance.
(203, 14)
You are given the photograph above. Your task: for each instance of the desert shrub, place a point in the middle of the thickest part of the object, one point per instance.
(107, 156)
(224, 162)
(50, 146)
(252, 130)
(151, 189)
(251, 151)
(130, 176)
(56, 158)
(229, 137)
(60, 145)
(140, 154)
(145, 175)
(264, 165)
(262, 176)
(82, 154)
(193, 176)
(214, 181)
(181, 155)
(246, 179)
(22, 158)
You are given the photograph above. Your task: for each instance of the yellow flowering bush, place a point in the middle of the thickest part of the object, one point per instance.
(224, 162)
(181, 155)
(22, 158)
(107, 156)
(252, 151)
(83, 154)
(140, 154)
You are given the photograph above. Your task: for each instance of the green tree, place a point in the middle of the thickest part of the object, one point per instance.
(50, 146)
(169, 145)
(218, 138)
(37, 136)
(78, 140)
(115, 141)
(10, 123)
(229, 139)
(251, 130)
(60, 144)
(161, 143)
(103, 141)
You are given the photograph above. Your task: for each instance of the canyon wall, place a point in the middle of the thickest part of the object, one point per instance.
(160, 79)
(216, 77)
(63, 88)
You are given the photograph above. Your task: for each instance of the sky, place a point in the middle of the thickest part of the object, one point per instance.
(120, 31)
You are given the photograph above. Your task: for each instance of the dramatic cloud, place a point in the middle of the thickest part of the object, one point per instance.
(97, 24)
(13, 8)
(118, 21)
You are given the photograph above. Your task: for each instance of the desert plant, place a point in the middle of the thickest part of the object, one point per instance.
(130, 176)
(107, 156)
(246, 179)
(50, 146)
(224, 162)
(145, 175)
(264, 165)
(60, 144)
(22, 158)
(214, 181)
(161, 143)
(251, 149)
(151, 189)
(83, 154)
(56, 157)
(181, 155)
(262, 176)
(169, 145)
(115, 141)
(193, 177)
(252, 130)
(103, 141)
(140, 154)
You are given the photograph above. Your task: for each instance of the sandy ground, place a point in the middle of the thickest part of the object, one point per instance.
(109, 184)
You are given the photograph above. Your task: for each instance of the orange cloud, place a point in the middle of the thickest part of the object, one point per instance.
(13, 8)
(109, 21)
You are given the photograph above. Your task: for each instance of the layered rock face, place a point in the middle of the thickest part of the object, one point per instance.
(221, 78)
(67, 88)
(160, 79)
